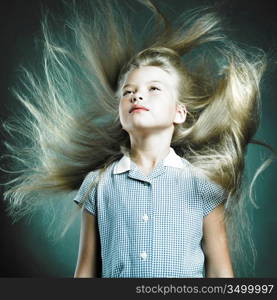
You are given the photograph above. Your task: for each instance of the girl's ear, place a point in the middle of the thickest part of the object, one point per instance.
(181, 114)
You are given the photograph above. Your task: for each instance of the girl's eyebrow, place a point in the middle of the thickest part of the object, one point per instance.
(126, 85)
(157, 81)
(151, 81)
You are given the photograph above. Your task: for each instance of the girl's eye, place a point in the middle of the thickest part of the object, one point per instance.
(127, 92)
(154, 88)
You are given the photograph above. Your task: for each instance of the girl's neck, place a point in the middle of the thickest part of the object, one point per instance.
(148, 150)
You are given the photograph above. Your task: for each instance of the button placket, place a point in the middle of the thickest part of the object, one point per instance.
(145, 251)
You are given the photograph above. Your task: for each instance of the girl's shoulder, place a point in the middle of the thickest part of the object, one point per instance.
(97, 173)
(194, 171)
(204, 183)
(91, 175)
(210, 190)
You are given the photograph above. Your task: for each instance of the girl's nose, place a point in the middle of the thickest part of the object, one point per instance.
(136, 98)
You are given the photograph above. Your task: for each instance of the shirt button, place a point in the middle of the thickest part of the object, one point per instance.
(143, 255)
(145, 218)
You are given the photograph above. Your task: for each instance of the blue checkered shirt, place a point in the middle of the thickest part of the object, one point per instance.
(151, 226)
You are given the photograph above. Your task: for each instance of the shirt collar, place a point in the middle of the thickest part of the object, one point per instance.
(171, 160)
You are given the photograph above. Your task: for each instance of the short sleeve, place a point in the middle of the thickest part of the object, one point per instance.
(87, 193)
(212, 195)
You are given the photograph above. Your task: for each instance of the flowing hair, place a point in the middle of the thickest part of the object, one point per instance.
(70, 125)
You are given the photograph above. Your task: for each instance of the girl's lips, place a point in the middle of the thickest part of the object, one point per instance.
(138, 108)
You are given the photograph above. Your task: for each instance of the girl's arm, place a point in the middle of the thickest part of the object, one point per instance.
(87, 256)
(215, 245)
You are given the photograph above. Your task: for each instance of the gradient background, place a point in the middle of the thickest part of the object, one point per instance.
(25, 249)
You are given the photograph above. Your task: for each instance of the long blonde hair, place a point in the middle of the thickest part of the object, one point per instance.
(71, 124)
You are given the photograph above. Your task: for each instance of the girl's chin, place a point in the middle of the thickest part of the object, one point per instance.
(138, 129)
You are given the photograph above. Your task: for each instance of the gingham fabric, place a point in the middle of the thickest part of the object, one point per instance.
(151, 226)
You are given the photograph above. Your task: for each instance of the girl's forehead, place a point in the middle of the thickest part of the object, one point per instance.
(150, 74)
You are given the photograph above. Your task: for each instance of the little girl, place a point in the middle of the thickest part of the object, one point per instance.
(153, 138)
(152, 207)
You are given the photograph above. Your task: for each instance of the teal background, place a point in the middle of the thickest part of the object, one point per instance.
(26, 250)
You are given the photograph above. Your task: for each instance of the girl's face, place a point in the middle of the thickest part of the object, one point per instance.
(148, 101)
